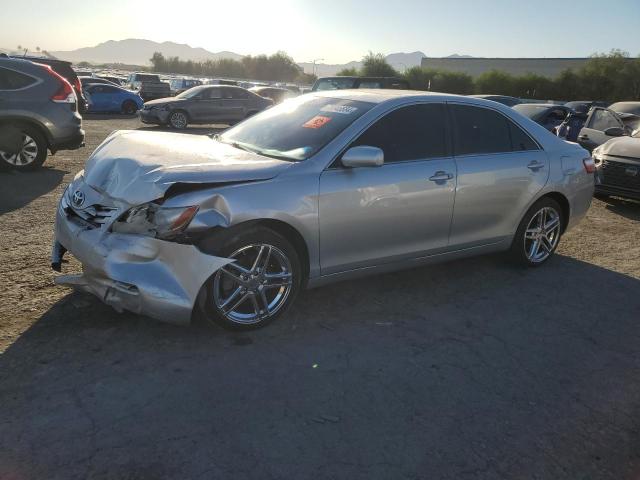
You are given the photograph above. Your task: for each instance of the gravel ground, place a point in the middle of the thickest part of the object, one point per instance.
(471, 369)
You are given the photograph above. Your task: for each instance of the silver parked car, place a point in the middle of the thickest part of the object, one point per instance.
(204, 104)
(323, 187)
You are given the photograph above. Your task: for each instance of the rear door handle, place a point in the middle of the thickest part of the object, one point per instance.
(440, 177)
(584, 137)
(535, 166)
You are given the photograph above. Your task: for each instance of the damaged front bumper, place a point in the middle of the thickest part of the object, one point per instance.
(137, 273)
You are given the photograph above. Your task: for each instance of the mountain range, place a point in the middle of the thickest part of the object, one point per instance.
(135, 51)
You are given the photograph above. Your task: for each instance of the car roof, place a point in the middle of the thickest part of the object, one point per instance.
(379, 95)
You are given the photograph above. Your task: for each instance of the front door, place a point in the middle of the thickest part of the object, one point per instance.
(599, 120)
(206, 107)
(500, 170)
(400, 210)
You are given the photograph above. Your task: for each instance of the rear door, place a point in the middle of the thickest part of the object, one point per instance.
(500, 170)
(599, 119)
(234, 103)
(400, 210)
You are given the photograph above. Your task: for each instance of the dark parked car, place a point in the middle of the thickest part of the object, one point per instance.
(626, 107)
(40, 104)
(64, 69)
(179, 85)
(618, 167)
(109, 98)
(602, 124)
(585, 104)
(503, 99)
(548, 115)
(204, 104)
(148, 86)
(344, 83)
(278, 95)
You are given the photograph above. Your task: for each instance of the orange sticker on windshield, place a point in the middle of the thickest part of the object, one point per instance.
(317, 122)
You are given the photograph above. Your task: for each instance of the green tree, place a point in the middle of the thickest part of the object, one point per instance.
(495, 82)
(375, 65)
(348, 72)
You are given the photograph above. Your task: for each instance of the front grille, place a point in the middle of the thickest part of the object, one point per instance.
(615, 173)
(95, 215)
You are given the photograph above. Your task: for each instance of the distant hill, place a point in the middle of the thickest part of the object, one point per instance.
(138, 52)
(400, 61)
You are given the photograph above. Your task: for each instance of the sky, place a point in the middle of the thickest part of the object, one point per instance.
(332, 30)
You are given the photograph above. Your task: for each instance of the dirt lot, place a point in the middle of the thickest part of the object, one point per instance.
(472, 369)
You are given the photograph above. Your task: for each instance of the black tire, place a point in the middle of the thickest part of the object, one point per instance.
(178, 119)
(227, 244)
(521, 248)
(129, 107)
(32, 156)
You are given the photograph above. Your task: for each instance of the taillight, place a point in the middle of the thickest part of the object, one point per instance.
(589, 165)
(65, 93)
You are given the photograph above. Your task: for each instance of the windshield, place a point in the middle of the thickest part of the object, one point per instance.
(296, 129)
(532, 111)
(192, 92)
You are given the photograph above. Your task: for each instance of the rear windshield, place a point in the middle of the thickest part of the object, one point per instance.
(334, 84)
(141, 77)
(296, 129)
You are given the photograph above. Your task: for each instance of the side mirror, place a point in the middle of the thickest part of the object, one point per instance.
(363, 156)
(614, 132)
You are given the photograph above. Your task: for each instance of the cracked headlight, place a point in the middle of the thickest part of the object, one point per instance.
(154, 220)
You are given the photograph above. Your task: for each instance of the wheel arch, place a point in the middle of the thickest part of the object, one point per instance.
(28, 122)
(563, 201)
(281, 227)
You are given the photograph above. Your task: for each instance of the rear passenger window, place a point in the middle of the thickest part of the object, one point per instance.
(408, 133)
(479, 130)
(12, 80)
(520, 141)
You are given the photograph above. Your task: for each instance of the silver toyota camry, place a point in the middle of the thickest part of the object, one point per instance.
(321, 188)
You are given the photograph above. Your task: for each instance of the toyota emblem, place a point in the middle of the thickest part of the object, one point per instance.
(77, 199)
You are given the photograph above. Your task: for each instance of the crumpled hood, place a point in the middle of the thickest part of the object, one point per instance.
(137, 166)
(621, 147)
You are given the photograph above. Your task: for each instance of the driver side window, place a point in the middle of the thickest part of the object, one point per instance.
(414, 132)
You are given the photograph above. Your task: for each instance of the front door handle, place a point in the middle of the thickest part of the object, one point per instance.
(440, 177)
(535, 166)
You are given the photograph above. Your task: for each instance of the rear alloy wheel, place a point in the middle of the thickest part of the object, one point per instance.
(129, 108)
(31, 156)
(258, 286)
(178, 120)
(538, 234)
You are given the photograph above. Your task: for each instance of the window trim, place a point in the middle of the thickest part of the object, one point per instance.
(37, 81)
(448, 145)
(453, 126)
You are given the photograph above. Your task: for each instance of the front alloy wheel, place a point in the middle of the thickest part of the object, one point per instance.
(259, 284)
(178, 120)
(255, 286)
